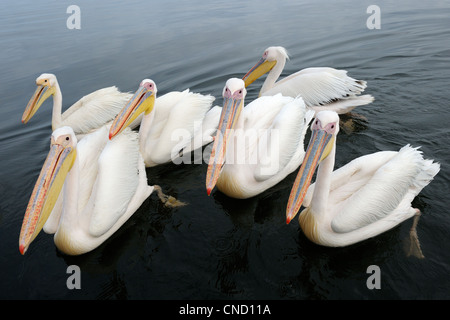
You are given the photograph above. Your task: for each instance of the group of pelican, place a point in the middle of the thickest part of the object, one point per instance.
(94, 177)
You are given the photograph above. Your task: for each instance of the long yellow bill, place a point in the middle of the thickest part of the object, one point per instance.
(58, 163)
(230, 113)
(319, 147)
(143, 100)
(262, 67)
(39, 96)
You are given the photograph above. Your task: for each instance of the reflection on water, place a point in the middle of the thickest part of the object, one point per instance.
(217, 247)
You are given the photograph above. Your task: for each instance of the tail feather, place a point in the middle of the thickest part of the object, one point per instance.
(345, 105)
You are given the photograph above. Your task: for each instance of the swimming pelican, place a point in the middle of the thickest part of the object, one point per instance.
(87, 114)
(104, 182)
(174, 123)
(321, 88)
(360, 200)
(257, 146)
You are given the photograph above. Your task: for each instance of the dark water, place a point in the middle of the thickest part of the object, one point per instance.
(218, 247)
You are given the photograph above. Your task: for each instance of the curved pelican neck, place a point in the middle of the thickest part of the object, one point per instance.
(234, 147)
(240, 120)
(69, 216)
(273, 75)
(57, 108)
(319, 201)
(144, 129)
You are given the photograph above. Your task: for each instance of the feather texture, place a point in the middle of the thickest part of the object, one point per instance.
(319, 86)
(266, 143)
(176, 118)
(362, 199)
(118, 165)
(95, 109)
(382, 193)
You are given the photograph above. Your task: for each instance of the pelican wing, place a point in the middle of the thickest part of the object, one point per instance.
(177, 118)
(95, 109)
(89, 150)
(159, 116)
(117, 181)
(318, 86)
(349, 178)
(206, 133)
(378, 186)
(260, 113)
(281, 146)
(345, 105)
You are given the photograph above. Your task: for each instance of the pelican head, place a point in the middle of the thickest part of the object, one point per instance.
(143, 100)
(58, 163)
(324, 130)
(46, 87)
(268, 60)
(233, 102)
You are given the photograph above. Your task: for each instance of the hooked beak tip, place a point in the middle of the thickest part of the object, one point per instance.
(290, 215)
(22, 249)
(208, 191)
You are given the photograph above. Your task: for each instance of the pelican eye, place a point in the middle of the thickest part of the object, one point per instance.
(67, 138)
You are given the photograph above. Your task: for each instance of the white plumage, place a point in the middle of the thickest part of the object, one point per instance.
(389, 184)
(321, 88)
(103, 187)
(265, 143)
(117, 181)
(87, 114)
(94, 110)
(176, 122)
(362, 199)
(177, 115)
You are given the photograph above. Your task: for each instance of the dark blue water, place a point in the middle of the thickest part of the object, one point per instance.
(218, 247)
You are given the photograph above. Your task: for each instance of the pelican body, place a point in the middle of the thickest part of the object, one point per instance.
(360, 200)
(174, 123)
(321, 88)
(86, 190)
(257, 146)
(87, 114)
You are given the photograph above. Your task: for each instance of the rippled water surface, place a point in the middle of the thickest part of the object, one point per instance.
(218, 247)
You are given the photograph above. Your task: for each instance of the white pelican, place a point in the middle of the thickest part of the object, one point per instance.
(360, 200)
(171, 123)
(257, 146)
(104, 182)
(321, 88)
(89, 113)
